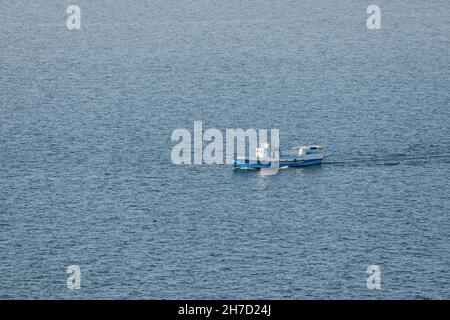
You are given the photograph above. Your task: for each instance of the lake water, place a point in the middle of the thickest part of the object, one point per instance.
(86, 176)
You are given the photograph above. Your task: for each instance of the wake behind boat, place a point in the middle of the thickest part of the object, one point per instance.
(266, 157)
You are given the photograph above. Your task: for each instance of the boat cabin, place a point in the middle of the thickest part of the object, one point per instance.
(266, 151)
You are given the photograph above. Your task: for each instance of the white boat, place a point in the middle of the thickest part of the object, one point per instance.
(283, 157)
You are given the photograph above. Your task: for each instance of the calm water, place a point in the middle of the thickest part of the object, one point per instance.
(86, 177)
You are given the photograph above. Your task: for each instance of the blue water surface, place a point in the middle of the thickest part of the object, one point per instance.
(86, 178)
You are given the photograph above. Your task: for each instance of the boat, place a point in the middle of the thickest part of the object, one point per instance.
(266, 157)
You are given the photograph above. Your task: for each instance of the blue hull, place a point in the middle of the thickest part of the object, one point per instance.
(241, 163)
